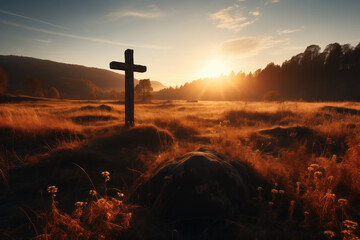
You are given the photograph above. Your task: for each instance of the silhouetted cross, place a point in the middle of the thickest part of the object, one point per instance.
(129, 69)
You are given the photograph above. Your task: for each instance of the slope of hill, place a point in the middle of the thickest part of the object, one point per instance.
(157, 86)
(72, 81)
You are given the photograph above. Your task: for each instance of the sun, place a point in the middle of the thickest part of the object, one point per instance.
(214, 68)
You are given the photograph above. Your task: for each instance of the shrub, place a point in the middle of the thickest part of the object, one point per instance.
(53, 93)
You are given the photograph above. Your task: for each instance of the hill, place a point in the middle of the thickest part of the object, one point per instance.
(72, 81)
(330, 75)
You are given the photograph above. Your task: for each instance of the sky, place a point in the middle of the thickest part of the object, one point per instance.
(178, 41)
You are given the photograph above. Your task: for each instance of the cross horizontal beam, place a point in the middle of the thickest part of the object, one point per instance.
(124, 66)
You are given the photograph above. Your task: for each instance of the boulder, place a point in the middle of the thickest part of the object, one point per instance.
(200, 185)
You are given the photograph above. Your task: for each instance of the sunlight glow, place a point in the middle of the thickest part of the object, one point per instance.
(214, 68)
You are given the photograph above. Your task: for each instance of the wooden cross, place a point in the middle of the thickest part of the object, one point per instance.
(129, 69)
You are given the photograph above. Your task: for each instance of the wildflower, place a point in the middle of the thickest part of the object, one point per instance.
(330, 195)
(291, 209)
(329, 234)
(274, 192)
(318, 174)
(79, 204)
(306, 213)
(92, 193)
(52, 190)
(106, 175)
(281, 192)
(343, 201)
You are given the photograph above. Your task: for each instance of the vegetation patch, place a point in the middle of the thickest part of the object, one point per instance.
(252, 118)
(179, 129)
(341, 110)
(92, 118)
(99, 108)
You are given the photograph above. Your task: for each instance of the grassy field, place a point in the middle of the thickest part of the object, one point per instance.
(309, 154)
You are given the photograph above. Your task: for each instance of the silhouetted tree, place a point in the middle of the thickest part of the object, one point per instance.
(144, 91)
(4, 81)
(33, 87)
(53, 93)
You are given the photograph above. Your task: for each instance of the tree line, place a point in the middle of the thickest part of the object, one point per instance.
(313, 75)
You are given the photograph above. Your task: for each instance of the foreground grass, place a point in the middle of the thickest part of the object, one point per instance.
(308, 151)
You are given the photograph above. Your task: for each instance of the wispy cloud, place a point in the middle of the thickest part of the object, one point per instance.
(73, 36)
(287, 31)
(271, 1)
(255, 13)
(240, 47)
(46, 41)
(249, 46)
(31, 19)
(151, 12)
(232, 18)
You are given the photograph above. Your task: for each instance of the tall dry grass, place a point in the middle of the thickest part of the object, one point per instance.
(325, 188)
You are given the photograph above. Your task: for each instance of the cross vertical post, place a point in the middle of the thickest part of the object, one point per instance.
(129, 68)
(129, 89)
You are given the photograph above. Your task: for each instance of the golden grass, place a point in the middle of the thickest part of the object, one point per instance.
(231, 128)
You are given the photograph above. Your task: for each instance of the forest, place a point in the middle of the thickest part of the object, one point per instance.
(313, 75)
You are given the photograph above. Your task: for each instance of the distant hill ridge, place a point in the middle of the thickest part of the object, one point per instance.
(72, 81)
